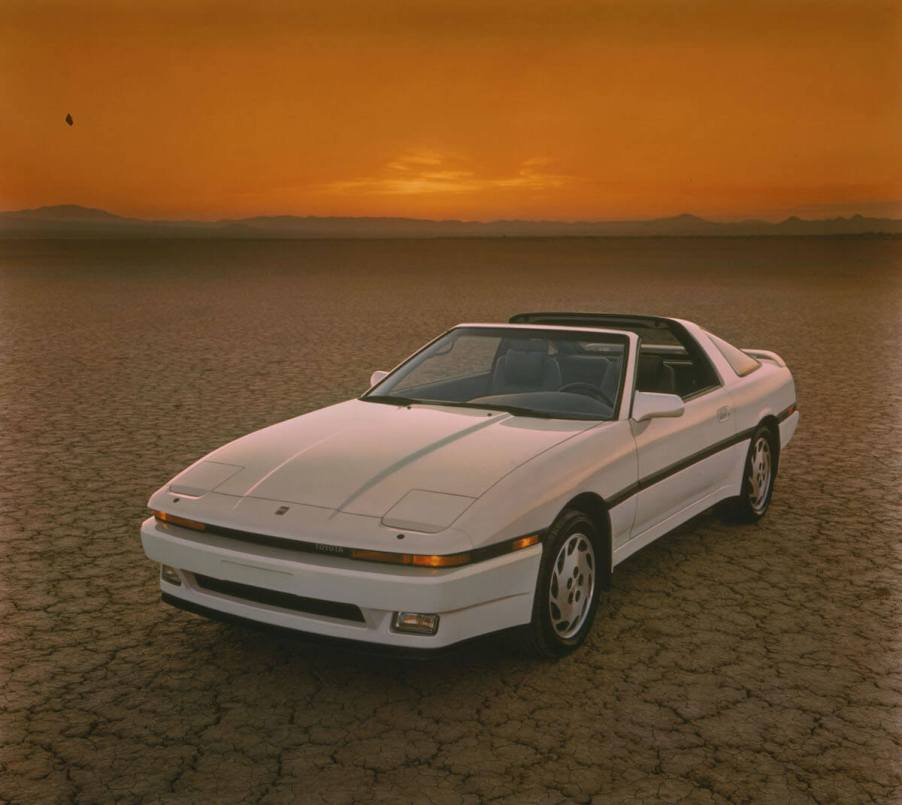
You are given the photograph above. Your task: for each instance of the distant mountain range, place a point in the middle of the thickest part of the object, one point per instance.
(72, 221)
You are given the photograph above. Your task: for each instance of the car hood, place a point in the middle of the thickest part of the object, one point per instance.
(374, 459)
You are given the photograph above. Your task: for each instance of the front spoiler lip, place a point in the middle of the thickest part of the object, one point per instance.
(362, 647)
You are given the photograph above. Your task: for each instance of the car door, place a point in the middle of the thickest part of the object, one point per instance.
(677, 460)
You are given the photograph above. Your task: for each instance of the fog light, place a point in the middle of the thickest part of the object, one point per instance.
(170, 575)
(415, 623)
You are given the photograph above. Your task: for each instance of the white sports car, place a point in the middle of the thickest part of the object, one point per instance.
(493, 480)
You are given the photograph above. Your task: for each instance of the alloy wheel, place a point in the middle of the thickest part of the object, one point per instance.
(760, 474)
(572, 585)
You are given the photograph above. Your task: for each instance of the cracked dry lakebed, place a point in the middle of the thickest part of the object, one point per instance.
(727, 664)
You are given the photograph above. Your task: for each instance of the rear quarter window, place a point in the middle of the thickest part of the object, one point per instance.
(741, 363)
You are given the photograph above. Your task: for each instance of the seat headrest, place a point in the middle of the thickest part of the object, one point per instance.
(529, 345)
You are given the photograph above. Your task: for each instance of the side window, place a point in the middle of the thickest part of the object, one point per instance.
(739, 362)
(702, 375)
(671, 362)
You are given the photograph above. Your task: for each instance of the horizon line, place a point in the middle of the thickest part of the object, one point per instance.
(685, 215)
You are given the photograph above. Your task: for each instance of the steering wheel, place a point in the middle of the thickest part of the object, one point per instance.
(589, 390)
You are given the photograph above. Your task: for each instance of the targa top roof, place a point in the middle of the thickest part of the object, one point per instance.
(606, 320)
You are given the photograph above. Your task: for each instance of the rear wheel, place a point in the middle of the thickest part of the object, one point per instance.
(757, 479)
(568, 587)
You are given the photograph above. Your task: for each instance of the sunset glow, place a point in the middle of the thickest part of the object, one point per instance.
(479, 110)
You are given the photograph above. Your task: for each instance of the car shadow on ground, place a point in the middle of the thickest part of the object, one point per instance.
(502, 651)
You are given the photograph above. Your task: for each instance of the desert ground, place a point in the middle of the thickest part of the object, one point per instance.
(728, 663)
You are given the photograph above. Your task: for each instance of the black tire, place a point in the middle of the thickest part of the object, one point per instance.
(756, 491)
(544, 636)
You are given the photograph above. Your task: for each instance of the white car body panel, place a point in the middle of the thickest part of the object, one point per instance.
(432, 479)
(366, 456)
(472, 600)
(661, 442)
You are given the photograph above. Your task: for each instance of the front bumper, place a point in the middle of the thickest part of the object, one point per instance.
(471, 600)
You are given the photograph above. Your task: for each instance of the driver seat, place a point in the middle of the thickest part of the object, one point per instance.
(523, 370)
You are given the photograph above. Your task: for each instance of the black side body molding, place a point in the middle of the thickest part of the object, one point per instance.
(701, 455)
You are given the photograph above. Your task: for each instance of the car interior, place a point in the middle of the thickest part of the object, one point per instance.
(541, 365)
(555, 373)
(666, 366)
(670, 361)
(550, 374)
(545, 374)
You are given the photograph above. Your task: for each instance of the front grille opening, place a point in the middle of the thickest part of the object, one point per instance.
(274, 598)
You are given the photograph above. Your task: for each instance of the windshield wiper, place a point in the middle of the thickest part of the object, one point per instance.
(390, 400)
(508, 409)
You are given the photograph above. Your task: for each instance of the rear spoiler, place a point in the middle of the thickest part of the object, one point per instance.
(765, 355)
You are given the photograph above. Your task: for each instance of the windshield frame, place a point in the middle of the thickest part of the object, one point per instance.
(612, 336)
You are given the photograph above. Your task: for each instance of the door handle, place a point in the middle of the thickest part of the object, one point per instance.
(723, 414)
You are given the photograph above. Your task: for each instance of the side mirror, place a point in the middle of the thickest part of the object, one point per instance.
(377, 377)
(648, 405)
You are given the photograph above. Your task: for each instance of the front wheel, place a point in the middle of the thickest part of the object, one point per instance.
(757, 479)
(567, 589)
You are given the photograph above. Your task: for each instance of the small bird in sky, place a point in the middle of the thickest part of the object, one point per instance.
(69, 120)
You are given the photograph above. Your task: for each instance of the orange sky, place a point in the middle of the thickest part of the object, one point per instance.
(471, 109)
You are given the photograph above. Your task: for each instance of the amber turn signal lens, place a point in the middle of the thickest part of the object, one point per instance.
(420, 560)
(184, 522)
(445, 560)
(441, 561)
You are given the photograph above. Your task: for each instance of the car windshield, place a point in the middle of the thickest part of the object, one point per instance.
(557, 374)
